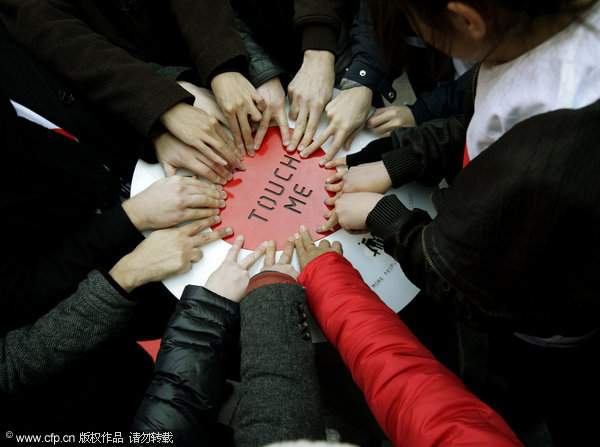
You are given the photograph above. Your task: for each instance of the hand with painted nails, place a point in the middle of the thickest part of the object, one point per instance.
(307, 250)
(231, 278)
(274, 95)
(346, 114)
(283, 265)
(309, 92)
(199, 130)
(173, 154)
(165, 253)
(173, 200)
(242, 106)
(368, 177)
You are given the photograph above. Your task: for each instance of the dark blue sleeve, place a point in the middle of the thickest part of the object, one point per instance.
(368, 66)
(445, 101)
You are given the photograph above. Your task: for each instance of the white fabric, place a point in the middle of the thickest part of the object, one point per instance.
(30, 115)
(562, 72)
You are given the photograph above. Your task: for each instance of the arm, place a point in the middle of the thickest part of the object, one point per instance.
(279, 389)
(416, 400)
(96, 312)
(106, 73)
(189, 379)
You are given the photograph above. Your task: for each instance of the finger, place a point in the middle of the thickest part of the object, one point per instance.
(337, 176)
(288, 252)
(211, 236)
(311, 129)
(199, 225)
(337, 143)
(169, 169)
(306, 238)
(319, 141)
(337, 246)
(294, 105)
(327, 226)
(324, 244)
(263, 126)
(207, 168)
(236, 132)
(227, 148)
(270, 254)
(331, 201)
(249, 260)
(379, 116)
(297, 240)
(196, 254)
(350, 139)
(199, 213)
(284, 127)
(298, 130)
(247, 132)
(234, 251)
(260, 102)
(336, 163)
(385, 128)
(335, 187)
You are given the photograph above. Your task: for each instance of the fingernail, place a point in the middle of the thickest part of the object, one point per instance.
(217, 219)
(291, 148)
(326, 201)
(327, 186)
(229, 230)
(256, 146)
(291, 239)
(242, 166)
(219, 187)
(303, 228)
(326, 216)
(221, 203)
(239, 238)
(229, 176)
(263, 244)
(318, 228)
(223, 195)
(223, 162)
(272, 243)
(296, 236)
(251, 153)
(322, 162)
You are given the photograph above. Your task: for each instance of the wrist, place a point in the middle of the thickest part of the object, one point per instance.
(319, 57)
(125, 276)
(134, 214)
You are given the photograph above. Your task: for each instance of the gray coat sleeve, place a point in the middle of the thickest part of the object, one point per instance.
(280, 397)
(93, 314)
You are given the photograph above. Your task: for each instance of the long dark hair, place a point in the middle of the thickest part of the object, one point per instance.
(391, 19)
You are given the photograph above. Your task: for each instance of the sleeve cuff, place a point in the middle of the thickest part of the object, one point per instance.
(386, 212)
(318, 37)
(269, 277)
(115, 285)
(402, 166)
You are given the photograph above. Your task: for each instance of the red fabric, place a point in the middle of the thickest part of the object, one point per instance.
(416, 400)
(466, 158)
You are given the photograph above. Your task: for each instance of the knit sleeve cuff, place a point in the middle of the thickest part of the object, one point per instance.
(386, 212)
(318, 37)
(269, 277)
(402, 166)
(420, 112)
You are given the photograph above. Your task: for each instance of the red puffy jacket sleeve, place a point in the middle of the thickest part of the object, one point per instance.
(416, 400)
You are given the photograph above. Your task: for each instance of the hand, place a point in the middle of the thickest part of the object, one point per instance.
(173, 154)
(309, 92)
(274, 96)
(173, 200)
(241, 104)
(386, 119)
(368, 177)
(352, 210)
(306, 249)
(347, 114)
(205, 100)
(165, 253)
(231, 279)
(198, 129)
(283, 265)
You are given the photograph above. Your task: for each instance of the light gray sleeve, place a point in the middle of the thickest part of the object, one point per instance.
(96, 312)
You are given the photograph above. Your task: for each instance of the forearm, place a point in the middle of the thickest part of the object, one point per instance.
(33, 284)
(279, 388)
(94, 66)
(400, 378)
(188, 385)
(209, 30)
(96, 312)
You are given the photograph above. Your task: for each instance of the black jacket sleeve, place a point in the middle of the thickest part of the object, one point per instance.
(279, 390)
(189, 380)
